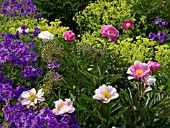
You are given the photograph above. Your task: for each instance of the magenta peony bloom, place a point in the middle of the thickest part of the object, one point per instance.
(138, 70)
(105, 93)
(154, 66)
(69, 36)
(127, 24)
(62, 107)
(110, 32)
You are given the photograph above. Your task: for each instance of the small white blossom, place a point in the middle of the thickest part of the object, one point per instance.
(105, 93)
(46, 36)
(30, 97)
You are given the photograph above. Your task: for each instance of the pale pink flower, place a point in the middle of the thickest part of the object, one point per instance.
(69, 36)
(110, 32)
(138, 70)
(30, 98)
(62, 107)
(127, 24)
(105, 93)
(154, 66)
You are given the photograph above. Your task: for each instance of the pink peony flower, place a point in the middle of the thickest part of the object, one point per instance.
(105, 93)
(110, 32)
(138, 70)
(62, 107)
(69, 36)
(154, 66)
(127, 24)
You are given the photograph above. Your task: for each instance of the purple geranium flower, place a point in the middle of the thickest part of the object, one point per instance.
(158, 21)
(164, 24)
(39, 71)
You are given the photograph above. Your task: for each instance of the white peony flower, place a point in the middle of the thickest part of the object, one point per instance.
(46, 36)
(105, 93)
(30, 97)
(149, 80)
(62, 107)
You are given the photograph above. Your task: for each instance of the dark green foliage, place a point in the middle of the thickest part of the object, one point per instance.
(62, 9)
(152, 9)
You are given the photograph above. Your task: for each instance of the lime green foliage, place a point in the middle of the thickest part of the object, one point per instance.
(12, 24)
(100, 13)
(138, 48)
(163, 54)
(141, 49)
(115, 12)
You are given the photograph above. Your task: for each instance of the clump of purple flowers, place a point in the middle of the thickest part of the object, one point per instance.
(162, 23)
(53, 64)
(13, 8)
(160, 36)
(6, 90)
(36, 32)
(32, 73)
(15, 52)
(19, 116)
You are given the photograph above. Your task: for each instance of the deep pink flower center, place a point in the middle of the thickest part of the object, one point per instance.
(111, 32)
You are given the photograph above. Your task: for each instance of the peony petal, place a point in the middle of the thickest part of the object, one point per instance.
(25, 102)
(114, 96)
(137, 62)
(25, 94)
(33, 90)
(40, 93)
(130, 77)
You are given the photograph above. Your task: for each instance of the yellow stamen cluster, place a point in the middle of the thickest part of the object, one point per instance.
(106, 95)
(139, 71)
(60, 106)
(128, 24)
(31, 96)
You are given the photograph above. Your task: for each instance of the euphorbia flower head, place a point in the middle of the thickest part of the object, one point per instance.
(105, 93)
(154, 66)
(62, 107)
(69, 36)
(110, 32)
(127, 24)
(30, 97)
(138, 70)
